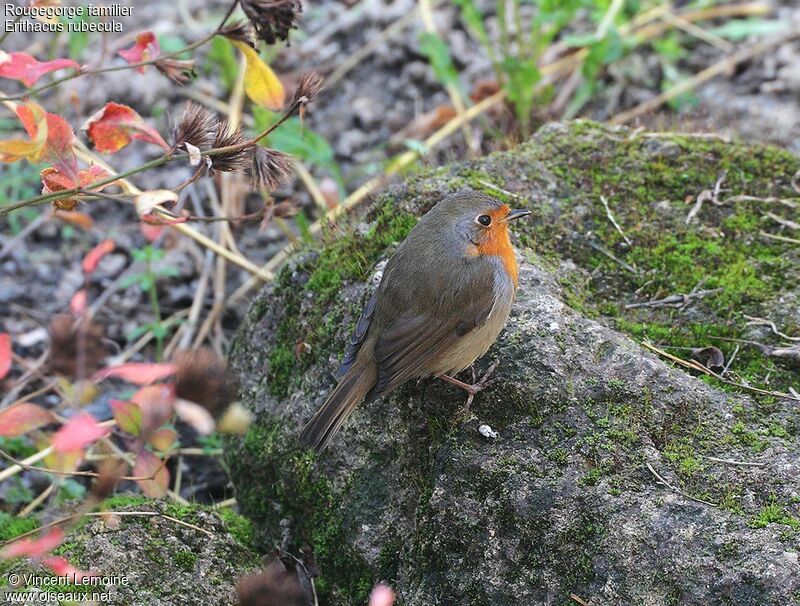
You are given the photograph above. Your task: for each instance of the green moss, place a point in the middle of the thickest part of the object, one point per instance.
(646, 183)
(118, 501)
(239, 526)
(12, 526)
(774, 513)
(185, 560)
(287, 485)
(682, 453)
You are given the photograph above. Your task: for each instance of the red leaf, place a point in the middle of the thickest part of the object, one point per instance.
(21, 418)
(26, 69)
(147, 465)
(78, 303)
(145, 49)
(53, 181)
(34, 548)
(5, 354)
(137, 373)
(62, 568)
(50, 141)
(156, 219)
(113, 127)
(77, 433)
(128, 416)
(91, 260)
(151, 232)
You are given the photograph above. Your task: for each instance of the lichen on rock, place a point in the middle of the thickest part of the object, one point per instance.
(567, 498)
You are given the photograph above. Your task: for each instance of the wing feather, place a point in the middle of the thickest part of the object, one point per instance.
(411, 344)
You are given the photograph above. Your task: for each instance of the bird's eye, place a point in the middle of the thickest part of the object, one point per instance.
(484, 220)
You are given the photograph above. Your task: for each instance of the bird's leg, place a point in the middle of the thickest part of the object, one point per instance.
(471, 389)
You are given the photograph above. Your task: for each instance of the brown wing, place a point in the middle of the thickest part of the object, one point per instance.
(357, 338)
(410, 344)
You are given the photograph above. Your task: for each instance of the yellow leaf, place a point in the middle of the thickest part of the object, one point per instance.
(34, 119)
(260, 82)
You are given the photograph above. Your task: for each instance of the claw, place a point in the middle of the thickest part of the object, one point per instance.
(475, 388)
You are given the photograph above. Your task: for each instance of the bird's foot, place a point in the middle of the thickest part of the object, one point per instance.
(473, 389)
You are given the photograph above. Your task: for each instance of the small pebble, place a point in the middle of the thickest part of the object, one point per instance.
(487, 432)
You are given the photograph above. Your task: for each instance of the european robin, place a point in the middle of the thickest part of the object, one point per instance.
(443, 299)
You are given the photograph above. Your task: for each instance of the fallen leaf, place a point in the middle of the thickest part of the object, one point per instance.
(113, 127)
(27, 69)
(78, 432)
(137, 372)
(75, 218)
(21, 418)
(33, 548)
(5, 354)
(261, 84)
(94, 256)
(128, 416)
(145, 49)
(149, 465)
(195, 415)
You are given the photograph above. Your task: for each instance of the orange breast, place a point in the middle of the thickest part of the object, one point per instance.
(497, 243)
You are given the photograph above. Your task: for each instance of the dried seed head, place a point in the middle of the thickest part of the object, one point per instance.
(241, 31)
(270, 168)
(180, 72)
(230, 161)
(308, 88)
(76, 346)
(197, 127)
(201, 376)
(272, 19)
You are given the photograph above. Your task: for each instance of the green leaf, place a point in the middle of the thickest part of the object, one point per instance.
(305, 229)
(474, 20)
(521, 79)
(416, 146)
(128, 416)
(438, 55)
(222, 56)
(70, 490)
(737, 29)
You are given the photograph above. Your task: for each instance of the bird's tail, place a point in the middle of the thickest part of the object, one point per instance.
(352, 388)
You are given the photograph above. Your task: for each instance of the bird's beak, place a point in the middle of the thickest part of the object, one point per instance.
(516, 214)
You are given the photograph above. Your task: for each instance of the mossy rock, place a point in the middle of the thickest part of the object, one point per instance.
(194, 560)
(568, 499)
